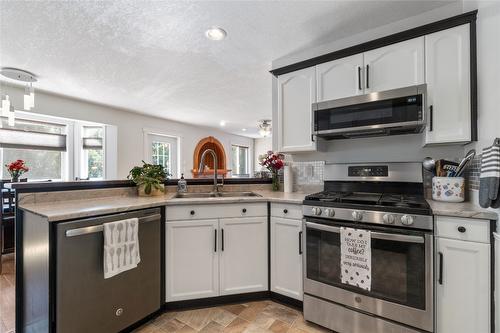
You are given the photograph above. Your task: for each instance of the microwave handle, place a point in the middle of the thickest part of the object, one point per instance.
(375, 235)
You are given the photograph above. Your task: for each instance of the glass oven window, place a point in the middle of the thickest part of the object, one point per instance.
(398, 268)
(402, 109)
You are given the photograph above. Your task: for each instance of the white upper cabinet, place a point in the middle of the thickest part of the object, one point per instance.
(296, 93)
(447, 57)
(243, 256)
(340, 78)
(395, 66)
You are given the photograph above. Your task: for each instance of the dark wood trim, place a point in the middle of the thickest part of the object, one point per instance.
(381, 42)
(216, 301)
(473, 79)
(29, 187)
(288, 301)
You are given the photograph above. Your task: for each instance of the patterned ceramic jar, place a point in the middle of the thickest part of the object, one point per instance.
(450, 189)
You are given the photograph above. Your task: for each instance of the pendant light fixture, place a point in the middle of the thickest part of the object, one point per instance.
(265, 128)
(26, 78)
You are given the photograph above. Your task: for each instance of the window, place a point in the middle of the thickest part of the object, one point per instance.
(161, 154)
(57, 148)
(162, 149)
(240, 161)
(92, 150)
(42, 145)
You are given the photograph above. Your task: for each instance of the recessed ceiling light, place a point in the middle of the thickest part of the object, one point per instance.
(244, 129)
(216, 33)
(222, 123)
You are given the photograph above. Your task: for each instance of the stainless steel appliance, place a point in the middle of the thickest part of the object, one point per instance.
(398, 111)
(85, 301)
(387, 199)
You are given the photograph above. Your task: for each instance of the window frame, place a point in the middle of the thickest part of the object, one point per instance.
(72, 158)
(247, 164)
(173, 135)
(81, 157)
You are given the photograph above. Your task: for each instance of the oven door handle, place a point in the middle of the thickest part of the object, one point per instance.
(374, 234)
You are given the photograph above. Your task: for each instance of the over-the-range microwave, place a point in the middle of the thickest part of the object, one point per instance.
(397, 111)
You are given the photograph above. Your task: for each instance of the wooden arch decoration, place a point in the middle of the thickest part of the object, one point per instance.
(214, 144)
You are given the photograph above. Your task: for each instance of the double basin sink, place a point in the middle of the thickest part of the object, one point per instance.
(215, 195)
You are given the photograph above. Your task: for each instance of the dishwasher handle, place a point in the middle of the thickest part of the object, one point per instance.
(99, 228)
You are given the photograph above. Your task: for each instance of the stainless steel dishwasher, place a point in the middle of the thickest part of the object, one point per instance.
(85, 301)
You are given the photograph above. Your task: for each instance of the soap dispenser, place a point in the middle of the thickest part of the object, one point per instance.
(182, 185)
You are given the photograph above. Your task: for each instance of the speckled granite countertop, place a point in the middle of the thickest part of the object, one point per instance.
(74, 209)
(461, 209)
(80, 208)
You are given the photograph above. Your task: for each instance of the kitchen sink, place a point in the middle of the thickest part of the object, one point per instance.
(215, 195)
(238, 194)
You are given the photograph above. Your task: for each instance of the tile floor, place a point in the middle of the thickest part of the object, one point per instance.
(252, 317)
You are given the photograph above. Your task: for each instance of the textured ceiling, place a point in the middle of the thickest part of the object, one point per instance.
(152, 56)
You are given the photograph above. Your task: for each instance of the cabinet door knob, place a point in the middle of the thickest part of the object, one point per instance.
(192, 212)
(461, 229)
(244, 210)
(285, 211)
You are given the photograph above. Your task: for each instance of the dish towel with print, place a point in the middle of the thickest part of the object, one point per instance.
(489, 180)
(121, 246)
(356, 257)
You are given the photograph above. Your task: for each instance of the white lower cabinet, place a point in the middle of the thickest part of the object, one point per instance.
(286, 257)
(216, 256)
(243, 260)
(192, 261)
(462, 284)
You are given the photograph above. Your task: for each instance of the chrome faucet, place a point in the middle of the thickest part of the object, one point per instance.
(216, 164)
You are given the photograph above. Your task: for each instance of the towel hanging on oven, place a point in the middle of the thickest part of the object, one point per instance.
(356, 257)
(489, 181)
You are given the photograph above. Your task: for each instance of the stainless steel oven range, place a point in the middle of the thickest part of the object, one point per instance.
(386, 199)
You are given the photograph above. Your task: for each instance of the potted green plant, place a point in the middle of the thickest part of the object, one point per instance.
(149, 178)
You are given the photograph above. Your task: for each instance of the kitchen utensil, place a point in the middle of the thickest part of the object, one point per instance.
(463, 164)
(429, 164)
(445, 168)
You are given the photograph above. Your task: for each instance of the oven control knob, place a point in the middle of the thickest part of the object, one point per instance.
(329, 212)
(388, 219)
(316, 210)
(407, 220)
(357, 215)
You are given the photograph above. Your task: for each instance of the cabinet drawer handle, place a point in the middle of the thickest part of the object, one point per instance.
(244, 210)
(431, 118)
(191, 212)
(462, 229)
(300, 242)
(359, 78)
(215, 241)
(285, 211)
(222, 239)
(441, 258)
(367, 76)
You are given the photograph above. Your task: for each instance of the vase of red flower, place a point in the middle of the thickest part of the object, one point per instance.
(273, 162)
(16, 169)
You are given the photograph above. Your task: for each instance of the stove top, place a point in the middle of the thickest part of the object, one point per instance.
(390, 202)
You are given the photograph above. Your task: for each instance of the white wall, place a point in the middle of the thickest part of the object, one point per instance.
(261, 146)
(488, 76)
(395, 148)
(130, 127)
